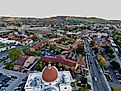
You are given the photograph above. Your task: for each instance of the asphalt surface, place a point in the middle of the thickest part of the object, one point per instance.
(19, 76)
(100, 84)
(117, 57)
(115, 82)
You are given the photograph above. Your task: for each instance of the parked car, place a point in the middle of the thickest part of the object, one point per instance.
(14, 77)
(118, 77)
(17, 89)
(6, 85)
(119, 81)
(21, 84)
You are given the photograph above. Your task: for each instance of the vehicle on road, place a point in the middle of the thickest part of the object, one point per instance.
(90, 62)
(95, 78)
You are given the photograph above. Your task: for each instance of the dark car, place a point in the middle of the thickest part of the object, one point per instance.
(6, 85)
(14, 77)
(21, 84)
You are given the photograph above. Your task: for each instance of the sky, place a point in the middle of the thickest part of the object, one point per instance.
(108, 9)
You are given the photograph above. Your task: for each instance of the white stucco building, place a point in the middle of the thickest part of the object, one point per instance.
(50, 79)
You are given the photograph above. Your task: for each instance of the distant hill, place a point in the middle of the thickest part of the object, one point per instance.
(68, 20)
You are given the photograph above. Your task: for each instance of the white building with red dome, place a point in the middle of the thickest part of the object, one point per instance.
(50, 79)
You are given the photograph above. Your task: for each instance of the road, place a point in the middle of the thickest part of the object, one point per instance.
(101, 83)
(116, 56)
(115, 82)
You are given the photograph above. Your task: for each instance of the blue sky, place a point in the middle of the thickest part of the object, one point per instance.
(109, 9)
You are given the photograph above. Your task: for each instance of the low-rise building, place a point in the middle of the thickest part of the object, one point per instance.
(61, 59)
(18, 64)
(23, 63)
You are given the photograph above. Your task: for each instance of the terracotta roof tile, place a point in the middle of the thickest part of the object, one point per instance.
(49, 74)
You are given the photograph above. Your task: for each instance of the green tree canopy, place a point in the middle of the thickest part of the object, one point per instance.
(118, 39)
(80, 49)
(39, 65)
(119, 70)
(83, 80)
(9, 66)
(14, 53)
(102, 63)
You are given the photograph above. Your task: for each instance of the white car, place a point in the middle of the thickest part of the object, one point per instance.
(95, 78)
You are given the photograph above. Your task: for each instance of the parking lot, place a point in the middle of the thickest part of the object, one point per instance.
(5, 81)
(11, 80)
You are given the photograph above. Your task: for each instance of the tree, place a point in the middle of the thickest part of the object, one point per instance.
(2, 25)
(83, 80)
(118, 39)
(77, 79)
(109, 50)
(80, 49)
(119, 70)
(39, 65)
(92, 43)
(18, 24)
(102, 63)
(115, 65)
(116, 89)
(31, 53)
(95, 50)
(73, 84)
(89, 87)
(84, 88)
(9, 66)
(14, 53)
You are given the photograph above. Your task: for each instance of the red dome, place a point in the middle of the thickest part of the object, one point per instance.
(50, 74)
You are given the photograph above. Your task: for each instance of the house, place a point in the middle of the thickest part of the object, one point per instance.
(26, 41)
(40, 45)
(23, 63)
(20, 62)
(29, 61)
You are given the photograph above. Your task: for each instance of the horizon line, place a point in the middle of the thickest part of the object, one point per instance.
(56, 16)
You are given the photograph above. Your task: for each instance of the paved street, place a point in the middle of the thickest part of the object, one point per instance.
(115, 82)
(3, 54)
(101, 84)
(117, 57)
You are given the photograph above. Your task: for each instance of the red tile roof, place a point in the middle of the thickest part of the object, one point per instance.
(60, 59)
(40, 44)
(49, 74)
(21, 60)
(25, 39)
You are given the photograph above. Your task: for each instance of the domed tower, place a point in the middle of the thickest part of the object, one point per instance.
(50, 74)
